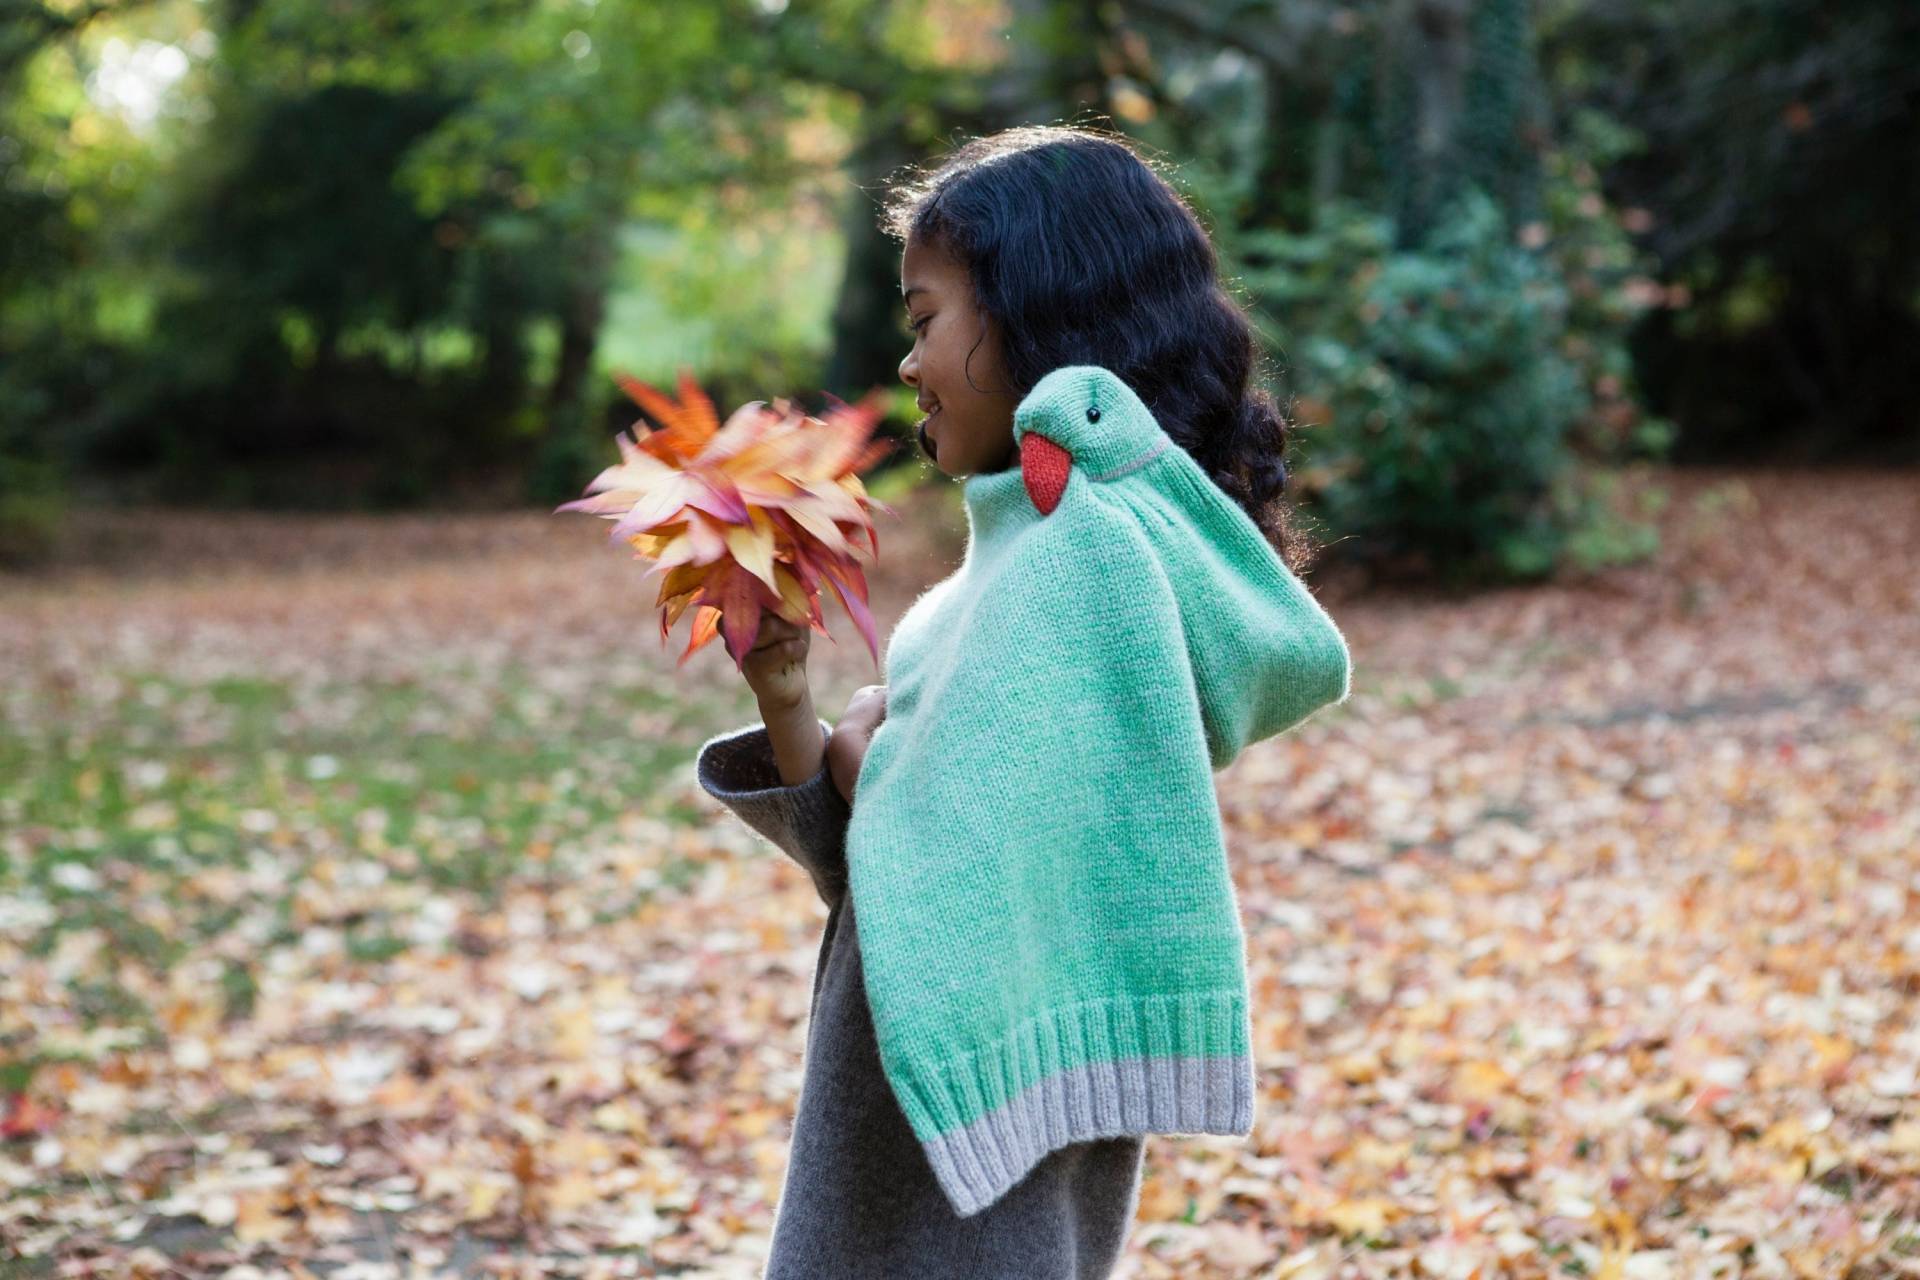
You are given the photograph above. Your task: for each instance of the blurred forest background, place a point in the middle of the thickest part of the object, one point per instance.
(329, 254)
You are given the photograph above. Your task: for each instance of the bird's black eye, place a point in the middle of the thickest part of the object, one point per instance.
(1093, 415)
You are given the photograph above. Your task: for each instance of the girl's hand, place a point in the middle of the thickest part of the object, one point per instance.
(847, 747)
(776, 665)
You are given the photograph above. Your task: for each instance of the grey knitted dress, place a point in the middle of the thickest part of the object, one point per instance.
(860, 1200)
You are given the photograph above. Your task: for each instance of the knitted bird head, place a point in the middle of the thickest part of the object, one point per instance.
(1081, 417)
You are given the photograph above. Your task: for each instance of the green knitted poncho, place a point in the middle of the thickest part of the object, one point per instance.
(1050, 937)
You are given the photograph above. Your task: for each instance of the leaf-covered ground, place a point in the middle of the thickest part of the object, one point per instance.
(359, 915)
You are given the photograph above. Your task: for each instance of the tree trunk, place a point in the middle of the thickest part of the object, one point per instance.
(1424, 80)
(580, 317)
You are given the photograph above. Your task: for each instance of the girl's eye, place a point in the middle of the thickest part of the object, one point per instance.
(913, 326)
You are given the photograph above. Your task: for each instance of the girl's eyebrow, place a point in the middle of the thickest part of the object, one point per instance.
(907, 295)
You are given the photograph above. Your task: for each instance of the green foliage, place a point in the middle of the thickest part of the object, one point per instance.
(1439, 396)
(32, 491)
(319, 316)
(33, 505)
(1456, 319)
(1611, 285)
(372, 246)
(66, 175)
(308, 218)
(36, 467)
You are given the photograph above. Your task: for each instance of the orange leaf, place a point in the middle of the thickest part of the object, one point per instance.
(745, 516)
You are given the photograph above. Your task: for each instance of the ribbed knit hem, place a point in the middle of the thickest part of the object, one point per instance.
(1176, 1087)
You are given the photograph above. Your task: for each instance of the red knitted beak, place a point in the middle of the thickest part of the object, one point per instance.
(1044, 466)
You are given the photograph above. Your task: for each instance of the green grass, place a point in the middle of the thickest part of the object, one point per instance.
(124, 817)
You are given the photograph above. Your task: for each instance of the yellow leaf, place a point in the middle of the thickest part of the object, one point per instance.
(1356, 1068)
(1904, 1139)
(752, 546)
(1161, 1200)
(1481, 1079)
(568, 1192)
(1368, 1214)
(573, 1032)
(1829, 1051)
(1789, 1135)
(483, 1196)
(255, 1221)
(754, 1123)
(615, 1117)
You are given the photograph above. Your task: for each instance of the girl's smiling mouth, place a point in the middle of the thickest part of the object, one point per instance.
(927, 442)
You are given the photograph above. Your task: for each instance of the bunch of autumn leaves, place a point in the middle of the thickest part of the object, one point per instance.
(747, 515)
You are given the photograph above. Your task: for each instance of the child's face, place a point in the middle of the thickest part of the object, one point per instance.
(955, 366)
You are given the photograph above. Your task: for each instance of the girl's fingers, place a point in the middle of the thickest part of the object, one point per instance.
(774, 649)
(865, 712)
(774, 630)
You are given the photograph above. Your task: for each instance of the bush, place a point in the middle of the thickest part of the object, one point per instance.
(33, 507)
(33, 473)
(1445, 391)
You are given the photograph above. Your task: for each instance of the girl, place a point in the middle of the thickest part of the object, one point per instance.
(1025, 253)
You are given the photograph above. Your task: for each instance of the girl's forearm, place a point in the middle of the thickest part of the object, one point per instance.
(793, 731)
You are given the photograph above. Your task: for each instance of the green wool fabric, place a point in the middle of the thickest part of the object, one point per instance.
(1049, 932)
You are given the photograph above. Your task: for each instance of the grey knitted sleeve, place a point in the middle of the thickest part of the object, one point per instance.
(807, 821)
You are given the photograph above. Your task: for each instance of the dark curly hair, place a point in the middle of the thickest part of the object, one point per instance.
(1084, 254)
